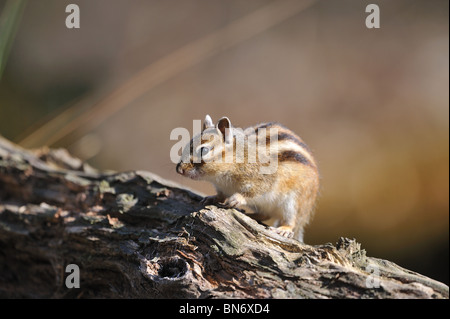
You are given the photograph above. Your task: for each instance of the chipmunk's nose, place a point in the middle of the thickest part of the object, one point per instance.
(179, 169)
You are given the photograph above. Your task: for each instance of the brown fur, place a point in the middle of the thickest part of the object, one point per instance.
(295, 183)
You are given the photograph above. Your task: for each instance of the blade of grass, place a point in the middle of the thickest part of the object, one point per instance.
(9, 21)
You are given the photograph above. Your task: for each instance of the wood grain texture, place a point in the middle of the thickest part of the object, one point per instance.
(134, 235)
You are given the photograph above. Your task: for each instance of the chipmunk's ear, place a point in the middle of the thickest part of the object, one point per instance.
(224, 126)
(208, 122)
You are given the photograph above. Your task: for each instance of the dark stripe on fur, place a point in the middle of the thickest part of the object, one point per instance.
(290, 137)
(283, 134)
(293, 156)
(266, 125)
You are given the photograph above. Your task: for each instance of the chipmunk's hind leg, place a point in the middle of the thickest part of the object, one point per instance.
(286, 224)
(285, 231)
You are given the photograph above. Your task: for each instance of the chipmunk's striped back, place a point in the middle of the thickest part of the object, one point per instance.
(290, 146)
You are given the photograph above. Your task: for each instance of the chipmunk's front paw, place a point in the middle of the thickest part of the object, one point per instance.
(210, 200)
(236, 200)
(285, 231)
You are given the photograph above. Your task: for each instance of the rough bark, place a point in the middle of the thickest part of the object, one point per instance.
(133, 234)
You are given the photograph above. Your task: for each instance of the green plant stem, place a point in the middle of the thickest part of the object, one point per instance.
(9, 21)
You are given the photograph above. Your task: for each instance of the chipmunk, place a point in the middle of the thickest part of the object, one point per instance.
(265, 169)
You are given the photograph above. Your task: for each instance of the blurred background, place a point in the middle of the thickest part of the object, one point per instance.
(373, 104)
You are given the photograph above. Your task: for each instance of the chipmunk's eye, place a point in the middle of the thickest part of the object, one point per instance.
(205, 150)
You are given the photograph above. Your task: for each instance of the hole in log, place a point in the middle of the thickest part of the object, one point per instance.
(172, 268)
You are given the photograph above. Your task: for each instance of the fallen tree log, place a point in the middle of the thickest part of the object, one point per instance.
(134, 235)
